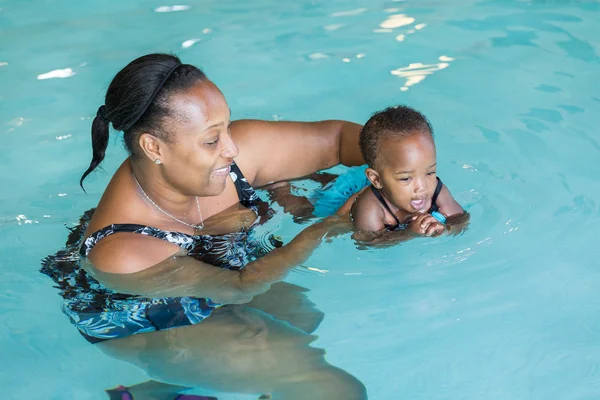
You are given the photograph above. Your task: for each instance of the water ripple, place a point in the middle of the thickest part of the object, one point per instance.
(357, 11)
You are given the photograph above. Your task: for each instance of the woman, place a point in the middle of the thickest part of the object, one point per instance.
(171, 238)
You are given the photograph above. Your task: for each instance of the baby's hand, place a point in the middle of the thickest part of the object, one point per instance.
(425, 225)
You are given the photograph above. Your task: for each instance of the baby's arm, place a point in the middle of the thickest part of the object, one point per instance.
(457, 219)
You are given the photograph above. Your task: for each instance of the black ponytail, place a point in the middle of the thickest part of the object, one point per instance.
(136, 101)
(99, 142)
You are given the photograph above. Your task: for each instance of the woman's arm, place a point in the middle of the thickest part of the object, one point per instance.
(174, 275)
(380, 239)
(276, 151)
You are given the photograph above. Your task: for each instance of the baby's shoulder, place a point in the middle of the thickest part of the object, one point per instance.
(367, 213)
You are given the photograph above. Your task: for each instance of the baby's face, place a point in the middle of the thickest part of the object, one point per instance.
(407, 172)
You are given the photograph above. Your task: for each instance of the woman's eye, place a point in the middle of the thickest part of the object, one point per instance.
(213, 142)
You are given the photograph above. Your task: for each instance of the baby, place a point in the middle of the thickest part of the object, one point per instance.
(405, 192)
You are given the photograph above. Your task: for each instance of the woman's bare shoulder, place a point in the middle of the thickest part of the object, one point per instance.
(125, 253)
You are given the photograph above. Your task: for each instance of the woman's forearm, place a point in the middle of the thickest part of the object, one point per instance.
(182, 275)
(273, 267)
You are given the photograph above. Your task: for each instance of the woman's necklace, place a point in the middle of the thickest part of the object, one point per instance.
(201, 226)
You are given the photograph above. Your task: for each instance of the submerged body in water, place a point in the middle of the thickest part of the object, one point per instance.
(262, 346)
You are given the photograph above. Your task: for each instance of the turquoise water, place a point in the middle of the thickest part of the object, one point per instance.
(509, 310)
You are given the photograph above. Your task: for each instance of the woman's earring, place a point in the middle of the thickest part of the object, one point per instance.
(157, 161)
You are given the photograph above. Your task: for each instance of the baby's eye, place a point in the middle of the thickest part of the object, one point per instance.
(431, 173)
(404, 179)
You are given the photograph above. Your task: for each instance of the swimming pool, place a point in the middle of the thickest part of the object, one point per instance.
(506, 311)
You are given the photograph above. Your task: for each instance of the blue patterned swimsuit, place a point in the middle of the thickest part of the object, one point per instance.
(101, 314)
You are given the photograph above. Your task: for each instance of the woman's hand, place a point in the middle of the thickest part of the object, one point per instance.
(347, 206)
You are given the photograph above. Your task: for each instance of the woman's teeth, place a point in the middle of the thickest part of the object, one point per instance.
(223, 170)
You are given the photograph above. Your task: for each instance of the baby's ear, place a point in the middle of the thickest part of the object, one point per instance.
(373, 177)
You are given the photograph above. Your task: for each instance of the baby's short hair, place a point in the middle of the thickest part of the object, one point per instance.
(392, 123)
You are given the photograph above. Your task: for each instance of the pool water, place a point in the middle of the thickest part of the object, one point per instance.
(509, 310)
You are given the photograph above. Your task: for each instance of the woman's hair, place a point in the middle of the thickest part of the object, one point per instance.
(392, 123)
(137, 101)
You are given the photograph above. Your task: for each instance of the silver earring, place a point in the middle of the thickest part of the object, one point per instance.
(157, 161)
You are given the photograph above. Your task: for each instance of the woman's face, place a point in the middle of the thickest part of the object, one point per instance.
(197, 160)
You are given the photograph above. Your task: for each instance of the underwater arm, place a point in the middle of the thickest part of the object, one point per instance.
(153, 270)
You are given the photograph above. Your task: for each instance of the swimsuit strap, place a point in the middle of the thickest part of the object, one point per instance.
(379, 196)
(180, 239)
(246, 193)
(438, 189)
